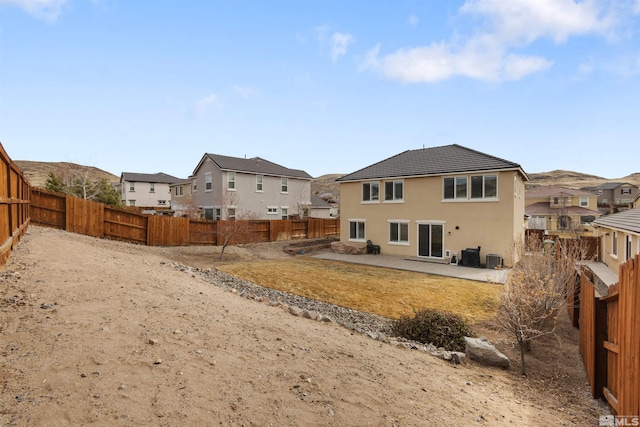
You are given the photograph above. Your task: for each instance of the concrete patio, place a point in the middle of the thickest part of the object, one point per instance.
(400, 263)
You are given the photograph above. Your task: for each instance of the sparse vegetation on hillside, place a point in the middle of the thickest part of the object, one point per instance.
(38, 172)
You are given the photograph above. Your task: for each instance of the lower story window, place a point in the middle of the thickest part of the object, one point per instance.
(285, 213)
(356, 230)
(272, 210)
(399, 232)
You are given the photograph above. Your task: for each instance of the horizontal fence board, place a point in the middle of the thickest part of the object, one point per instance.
(15, 205)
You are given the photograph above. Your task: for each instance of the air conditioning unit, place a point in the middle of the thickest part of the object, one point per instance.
(494, 261)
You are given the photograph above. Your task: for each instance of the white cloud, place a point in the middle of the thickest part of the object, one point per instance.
(47, 10)
(339, 45)
(491, 53)
(528, 20)
(244, 91)
(203, 104)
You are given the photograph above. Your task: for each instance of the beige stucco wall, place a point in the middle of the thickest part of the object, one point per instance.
(492, 224)
(607, 252)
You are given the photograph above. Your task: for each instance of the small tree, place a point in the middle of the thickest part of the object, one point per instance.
(75, 180)
(235, 225)
(536, 290)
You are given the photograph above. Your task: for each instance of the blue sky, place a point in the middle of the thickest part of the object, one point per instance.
(324, 86)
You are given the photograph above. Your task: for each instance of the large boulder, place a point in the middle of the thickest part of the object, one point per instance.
(483, 352)
(349, 248)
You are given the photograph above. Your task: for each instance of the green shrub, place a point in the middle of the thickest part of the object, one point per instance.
(436, 327)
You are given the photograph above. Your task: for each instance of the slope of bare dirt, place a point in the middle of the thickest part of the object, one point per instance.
(38, 172)
(108, 333)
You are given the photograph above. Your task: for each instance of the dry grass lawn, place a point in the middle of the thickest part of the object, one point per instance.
(383, 291)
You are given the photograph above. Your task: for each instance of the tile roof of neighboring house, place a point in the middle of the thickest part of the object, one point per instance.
(255, 165)
(433, 161)
(628, 220)
(544, 208)
(555, 190)
(317, 202)
(613, 185)
(149, 177)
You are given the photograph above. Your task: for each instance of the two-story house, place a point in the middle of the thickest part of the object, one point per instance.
(560, 209)
(227, 187)
(149, 191)
(434, 203)
(620, 234)
(614, 196)
(182, 203)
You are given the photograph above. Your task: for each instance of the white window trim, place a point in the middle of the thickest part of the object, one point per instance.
(468, 199)
(275, 212)
(210, 175)
(283, 180)
(399, 242)
(350, 220)
(229, 180)
(261, 183)
(394, 200)
(614, 244)
(369, 202)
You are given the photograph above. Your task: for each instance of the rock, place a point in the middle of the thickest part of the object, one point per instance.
(483, 352)
(46, 306)
(310, 315)
(351, 248)
(153, 341)
(295, 311)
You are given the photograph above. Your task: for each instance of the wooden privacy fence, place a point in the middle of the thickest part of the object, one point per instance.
(99, 220)
(15, 205)
(610, 339)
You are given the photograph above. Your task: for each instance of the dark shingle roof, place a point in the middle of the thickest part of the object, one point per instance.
(149, 177)
(544, 208)
(628, 220)
(256, 165)
(317, 202)
(432, 161)
(555, 190)
(613, 185)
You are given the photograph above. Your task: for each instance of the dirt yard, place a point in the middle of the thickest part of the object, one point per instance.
(97, 332)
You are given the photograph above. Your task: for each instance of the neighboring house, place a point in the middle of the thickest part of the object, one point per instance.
(230, 187)
(620, 234)
(616, 195)
(433, 203)
(320, 208)
(149, 191)
(556, 208)
(182, 200)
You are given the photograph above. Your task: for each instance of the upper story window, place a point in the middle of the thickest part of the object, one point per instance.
(370, 191)
(194, 185)
(259, 179)
(584, 201)
(625, 191)
(455, 188)
(284, 185)
(231, 180)
(484, 186)
(393, 190)
(152, 187)
(208, 182)
(132, 186)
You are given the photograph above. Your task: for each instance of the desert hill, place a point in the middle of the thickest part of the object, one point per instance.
(38, 172)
